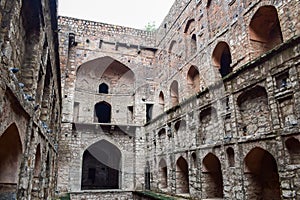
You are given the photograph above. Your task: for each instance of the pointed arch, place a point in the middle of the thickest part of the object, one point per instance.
(293, 146)
(162, 133)
(264, 30)
(193, 79)
(101, 166)
(163, 173)
(173, 46)
(103, 88)
(180, 126)
(261, 173)
(117, 75)
(32, 20)
(230, 156)
(161, 101)
(222, 58)
(103, 112)
(174, 93)
(10, 157)
(212, 177)
(182, 176)
(190, 26)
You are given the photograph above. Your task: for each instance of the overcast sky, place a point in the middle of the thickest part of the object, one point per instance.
(130, 13)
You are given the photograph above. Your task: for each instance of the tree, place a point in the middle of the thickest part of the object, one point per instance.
(150, 26)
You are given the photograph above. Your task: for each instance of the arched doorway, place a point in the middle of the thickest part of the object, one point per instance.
(10, 158)
(101, 166)
(222, 58)
(212, 179)
(182, 176)
(163, 173)
(261, 175)
(103, 112)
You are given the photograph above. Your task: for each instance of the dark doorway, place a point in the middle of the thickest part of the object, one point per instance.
(225, 63)
(101, 167)
(212, 177)
(262, 176)
(149, 108)
(222, 58)
(102, 112)
(147, 176)
(103, 88)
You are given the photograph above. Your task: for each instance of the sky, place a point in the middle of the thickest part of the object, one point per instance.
(129, 13)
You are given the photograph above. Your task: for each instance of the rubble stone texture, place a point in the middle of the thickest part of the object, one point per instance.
(205, 107)
(30, 99)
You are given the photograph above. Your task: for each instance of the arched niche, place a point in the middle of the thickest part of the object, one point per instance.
(10, 159)
(182, 176)
(101, 166)
(261, 175)
(193, 79)
(163, 173)
(264, 30)
(222, 58)
(174, 96)
(212, 179)
(32, 21)
(161, 101)
(173, 46)
(190, 26)
(117, 75)
(189, 30)
(230, 156)
(293, 146)
(162, 133)
(180, 126)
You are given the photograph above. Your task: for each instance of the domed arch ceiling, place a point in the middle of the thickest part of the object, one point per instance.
(107, 70)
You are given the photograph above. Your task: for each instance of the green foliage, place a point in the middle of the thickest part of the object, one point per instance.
(150, 26)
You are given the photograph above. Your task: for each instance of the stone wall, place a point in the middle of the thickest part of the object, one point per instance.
(191, 105)
(232, 138)
(93, 54)
(30, 99)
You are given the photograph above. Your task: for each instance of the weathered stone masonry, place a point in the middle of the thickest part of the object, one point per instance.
(205, 107)
(30, 99)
